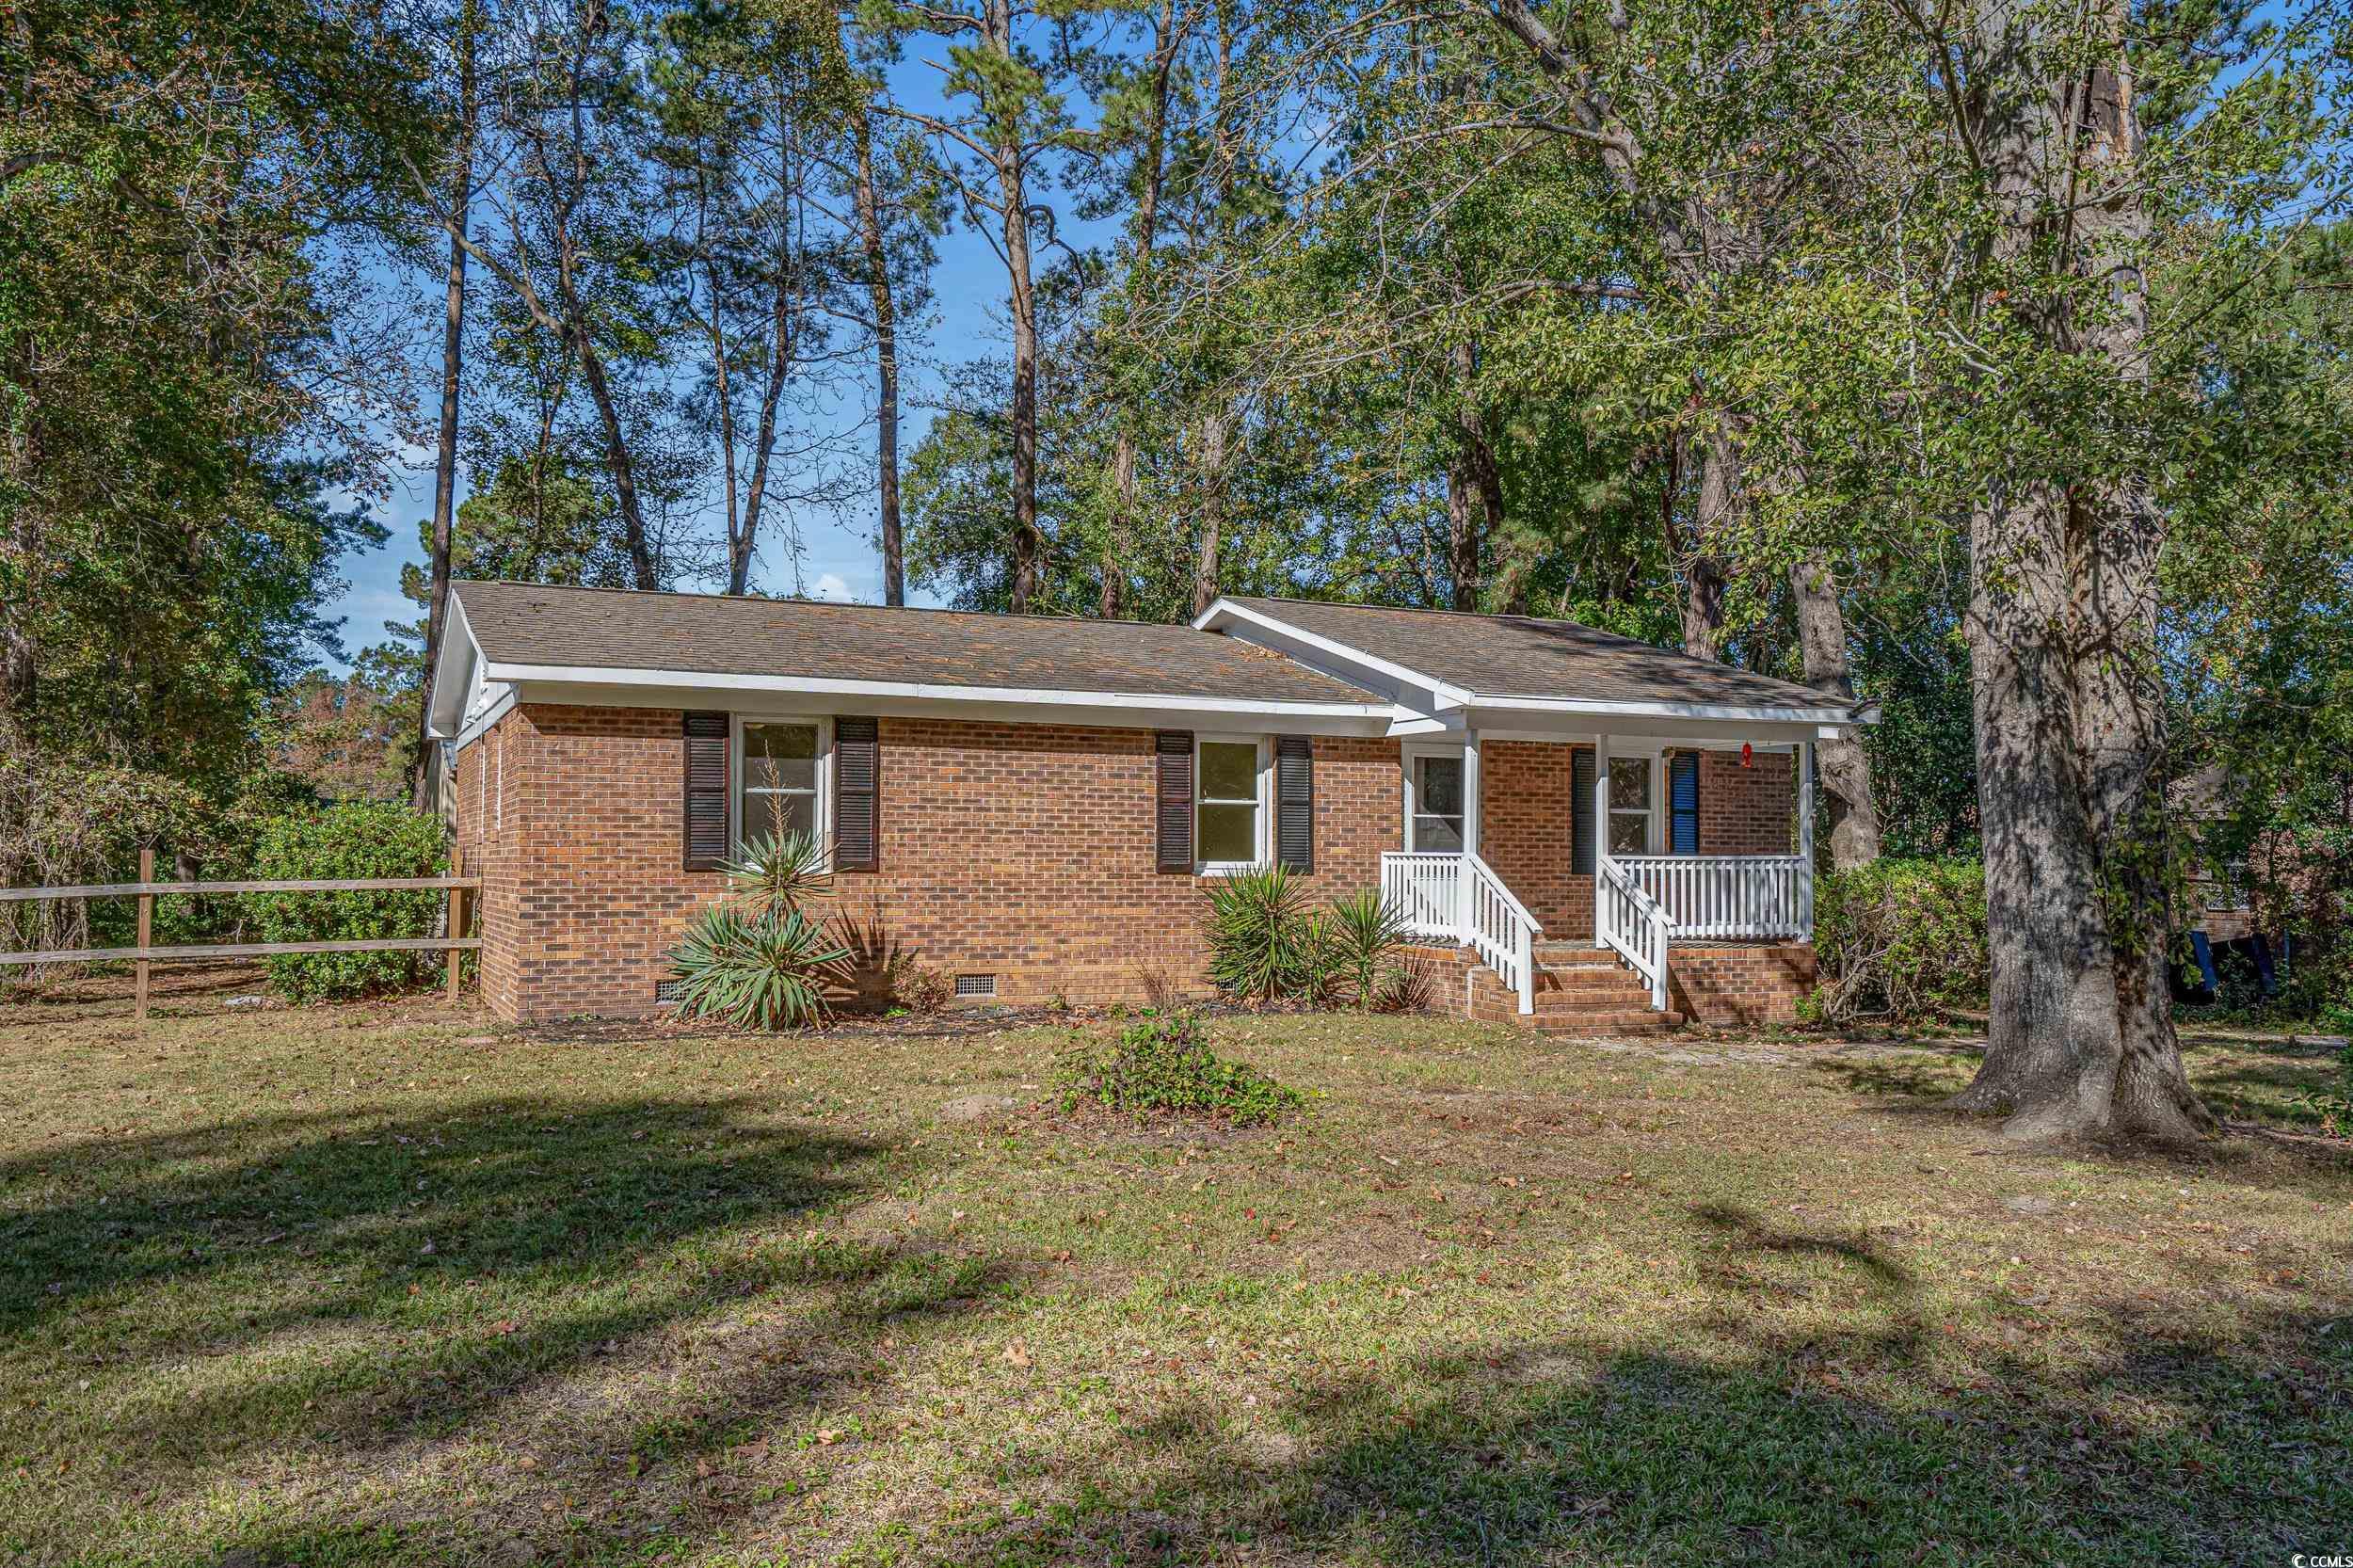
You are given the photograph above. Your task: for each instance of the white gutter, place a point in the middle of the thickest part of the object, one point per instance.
(929, 690)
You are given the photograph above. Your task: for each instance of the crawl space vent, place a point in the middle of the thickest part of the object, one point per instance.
(976, 985)
(668, 990)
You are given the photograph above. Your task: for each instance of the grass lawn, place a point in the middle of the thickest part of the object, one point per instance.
(393, 1284)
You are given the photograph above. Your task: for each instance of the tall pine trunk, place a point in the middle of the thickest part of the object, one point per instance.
(877, 256)
(424, 783)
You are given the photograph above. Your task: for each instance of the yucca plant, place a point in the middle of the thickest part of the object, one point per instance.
(777, 874)
(1259, 942)
(754, 971)
(1366, 932)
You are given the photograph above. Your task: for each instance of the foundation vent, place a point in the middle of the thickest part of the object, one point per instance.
(668, 991)
(976, 985)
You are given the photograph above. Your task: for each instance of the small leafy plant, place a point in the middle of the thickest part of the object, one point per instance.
(754, 971)
(915, 986)
(1163, 1065)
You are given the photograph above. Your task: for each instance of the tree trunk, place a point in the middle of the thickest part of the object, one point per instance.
(1704, 574)
(2062, 644)
(1474, 500)
(871, 237)
(427, 770)
(1854, 821)
(1206, 570)
(1113, 568)
(1014, 208)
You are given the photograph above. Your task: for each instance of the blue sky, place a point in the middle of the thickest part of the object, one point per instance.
(838, 555)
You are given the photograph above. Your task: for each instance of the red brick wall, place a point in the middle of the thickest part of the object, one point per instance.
(1728, 986)
(1749, 811)
(1021, 851)
(1525, 832)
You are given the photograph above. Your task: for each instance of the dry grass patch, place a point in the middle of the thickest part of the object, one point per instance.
(391, 1285)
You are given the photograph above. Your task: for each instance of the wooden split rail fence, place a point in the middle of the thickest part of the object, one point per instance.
(147, 890)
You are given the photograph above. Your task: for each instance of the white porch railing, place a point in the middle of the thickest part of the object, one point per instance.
(1630, 921)
(1459, 897)
(1709, 896)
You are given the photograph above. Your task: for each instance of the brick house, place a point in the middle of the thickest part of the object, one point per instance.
(1583, 830)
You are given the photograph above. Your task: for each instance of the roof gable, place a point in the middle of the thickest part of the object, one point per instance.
(1498, 658)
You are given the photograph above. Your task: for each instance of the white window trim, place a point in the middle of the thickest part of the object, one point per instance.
(1408, 755)
(824, 815)
(1264, 834)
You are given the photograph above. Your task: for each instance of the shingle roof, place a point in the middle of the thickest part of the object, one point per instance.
(1525, 656)
(523, 623)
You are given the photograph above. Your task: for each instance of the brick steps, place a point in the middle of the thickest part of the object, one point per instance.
(1583, 997)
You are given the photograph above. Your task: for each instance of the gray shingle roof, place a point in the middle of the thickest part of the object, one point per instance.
(521, 623)
(1525, 656)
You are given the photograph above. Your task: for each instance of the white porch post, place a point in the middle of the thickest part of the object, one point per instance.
(1805, 839)
(1601, 826)
(1471, 792)
(1470, 826)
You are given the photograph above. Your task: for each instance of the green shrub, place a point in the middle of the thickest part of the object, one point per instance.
(361, 839)
(1262, 945)
(1163, 1065)
(1900, 941)
(756, 971)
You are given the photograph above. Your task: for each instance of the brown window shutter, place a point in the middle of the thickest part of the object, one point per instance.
(1295, 802)
(1581, 812)
(856, 796)
(1173, 797)
(706, 791)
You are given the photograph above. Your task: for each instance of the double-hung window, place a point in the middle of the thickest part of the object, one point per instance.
(1229, 803)
(780, 779)
(1629, 806)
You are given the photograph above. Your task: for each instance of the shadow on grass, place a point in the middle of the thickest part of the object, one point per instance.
(360, 1281)
(1733, 1439)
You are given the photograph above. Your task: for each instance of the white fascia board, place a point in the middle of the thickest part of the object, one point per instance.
(1225, 612)
(1711, 712)
(668, 688)
(454, 673)
(1411, 724)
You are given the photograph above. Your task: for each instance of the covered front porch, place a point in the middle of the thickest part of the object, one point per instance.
(1633, 844)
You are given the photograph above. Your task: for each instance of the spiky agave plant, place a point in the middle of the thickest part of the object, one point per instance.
(1366, 932)
(777, 874)
(1260, 943)
(754, 971)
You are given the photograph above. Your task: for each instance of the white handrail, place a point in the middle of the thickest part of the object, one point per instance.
(1727, 896)
(1458, 897)
(1500, 929)
(1631, 923)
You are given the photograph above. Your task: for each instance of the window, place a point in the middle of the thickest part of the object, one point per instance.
(1228, 796)
(1434, 798)
(782, 779)
(1629, 806)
